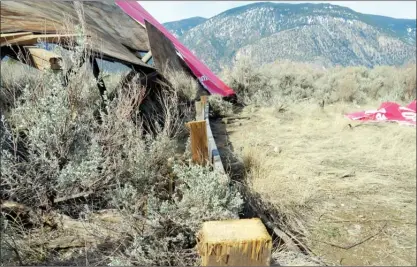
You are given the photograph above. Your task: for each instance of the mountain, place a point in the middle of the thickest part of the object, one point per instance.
(323, 34)
(177, 28)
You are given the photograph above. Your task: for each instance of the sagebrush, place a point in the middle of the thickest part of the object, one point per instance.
(292, 82)
(60, 137)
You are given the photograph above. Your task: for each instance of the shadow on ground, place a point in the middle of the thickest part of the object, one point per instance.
(254, 205)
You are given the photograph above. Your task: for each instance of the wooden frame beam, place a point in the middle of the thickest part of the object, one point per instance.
(32, 39)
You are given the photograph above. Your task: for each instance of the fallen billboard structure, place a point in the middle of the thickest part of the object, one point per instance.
(207, 78)
(120, 32)
(388, 112)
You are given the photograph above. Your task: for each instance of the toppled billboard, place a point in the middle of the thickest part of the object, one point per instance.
(206, 77)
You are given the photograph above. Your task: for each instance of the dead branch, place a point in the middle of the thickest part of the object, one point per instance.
(72, 197)
(347, 247)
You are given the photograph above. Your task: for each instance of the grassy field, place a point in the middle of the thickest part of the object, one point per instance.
(351, 190)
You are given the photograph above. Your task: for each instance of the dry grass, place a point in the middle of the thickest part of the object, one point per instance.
(334, 183)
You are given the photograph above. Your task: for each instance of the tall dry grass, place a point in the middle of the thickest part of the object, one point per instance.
(323, 176)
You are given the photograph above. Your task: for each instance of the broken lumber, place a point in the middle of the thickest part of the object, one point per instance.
(32, 39)
(8, 37)
(43, 59)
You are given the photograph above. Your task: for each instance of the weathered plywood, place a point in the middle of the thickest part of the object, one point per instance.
(110, 28)
(163, 51)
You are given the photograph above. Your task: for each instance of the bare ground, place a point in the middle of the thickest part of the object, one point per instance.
(349, 187)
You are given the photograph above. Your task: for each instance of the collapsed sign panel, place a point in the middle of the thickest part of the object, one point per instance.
(388, 111)
(112, 31)
(206, 77)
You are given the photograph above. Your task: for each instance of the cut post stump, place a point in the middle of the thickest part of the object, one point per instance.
(243, 242)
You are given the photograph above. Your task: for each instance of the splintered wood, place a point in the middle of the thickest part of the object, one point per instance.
(199, 142)
(243, 242)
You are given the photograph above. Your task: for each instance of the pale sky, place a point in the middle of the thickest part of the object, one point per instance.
(165, 11)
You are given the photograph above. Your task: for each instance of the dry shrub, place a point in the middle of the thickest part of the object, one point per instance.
(61, 137)
(14, 76)
(249, 84)
(200, 195)
(219, 107)
(292, 82)
(184, 84)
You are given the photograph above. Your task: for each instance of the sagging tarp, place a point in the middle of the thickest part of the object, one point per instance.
(388, 112)
(206, 77)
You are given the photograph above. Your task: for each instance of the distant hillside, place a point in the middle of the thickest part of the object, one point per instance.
(178, 28)
(318, 33)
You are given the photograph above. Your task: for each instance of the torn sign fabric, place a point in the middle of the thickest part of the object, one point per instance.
(388, 112)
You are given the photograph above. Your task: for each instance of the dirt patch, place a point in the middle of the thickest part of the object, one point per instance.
(351, 187)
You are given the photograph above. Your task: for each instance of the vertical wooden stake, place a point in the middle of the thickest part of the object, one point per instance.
(96, 71)
(203, 100)
(199, 142)
(198, 111)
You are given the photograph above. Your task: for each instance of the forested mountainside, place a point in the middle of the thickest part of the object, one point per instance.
(324, 34)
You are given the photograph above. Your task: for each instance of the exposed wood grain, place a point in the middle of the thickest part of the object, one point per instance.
(44, 59)
(202, 113)
(199, 115)
(164, 53)
(111, 29)
(32, 39)
(10, 36)
(203, 100)
(199, 142)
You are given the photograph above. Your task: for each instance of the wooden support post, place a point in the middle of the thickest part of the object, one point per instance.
(96, 71)
(243, 242)
(199, 111)
(203, 100)
(32, 39)
(199, 142)
(5, 38)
